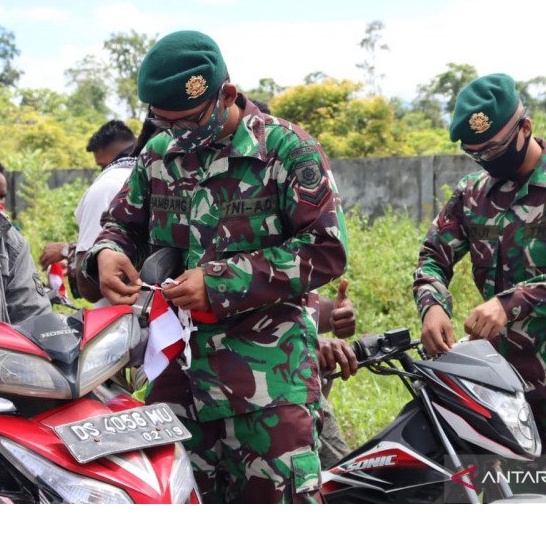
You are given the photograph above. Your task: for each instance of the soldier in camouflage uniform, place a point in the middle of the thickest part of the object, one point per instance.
(498, 215)
(250, 201)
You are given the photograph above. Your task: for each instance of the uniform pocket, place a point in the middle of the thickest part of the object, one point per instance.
(534, 256)
(245, 234)
(306, 472)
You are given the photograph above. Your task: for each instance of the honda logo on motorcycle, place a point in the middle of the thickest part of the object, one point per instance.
(58, 333)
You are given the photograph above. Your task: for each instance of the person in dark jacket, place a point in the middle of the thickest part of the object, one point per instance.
(22, 293)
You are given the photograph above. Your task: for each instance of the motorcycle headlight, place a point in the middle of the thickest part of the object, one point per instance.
(515, 412)
(106, 354)
(29, 375)
(182, 482)
(71, 488)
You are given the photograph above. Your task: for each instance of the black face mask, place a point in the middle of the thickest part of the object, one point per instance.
(506, 165)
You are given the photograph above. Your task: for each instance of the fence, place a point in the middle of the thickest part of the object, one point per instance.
(406, 183)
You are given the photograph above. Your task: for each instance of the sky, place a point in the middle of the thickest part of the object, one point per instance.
(288, 39)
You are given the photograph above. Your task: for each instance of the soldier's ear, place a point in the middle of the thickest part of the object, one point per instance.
(229, 93)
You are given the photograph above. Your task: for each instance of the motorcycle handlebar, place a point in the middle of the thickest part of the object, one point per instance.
(366, 346)
(370, 344)
(371, 348)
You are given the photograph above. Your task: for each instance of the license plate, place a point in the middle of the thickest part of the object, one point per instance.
(129, 430)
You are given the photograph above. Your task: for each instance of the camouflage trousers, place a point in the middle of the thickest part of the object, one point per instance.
(267, 456)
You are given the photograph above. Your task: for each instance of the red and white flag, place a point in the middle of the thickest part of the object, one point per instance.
(56, 278)
(167, 337)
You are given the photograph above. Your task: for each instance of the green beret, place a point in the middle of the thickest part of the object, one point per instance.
(181, 71)
(483, 108)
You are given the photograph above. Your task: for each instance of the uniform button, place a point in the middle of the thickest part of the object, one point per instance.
(222, 288)
(216, 268)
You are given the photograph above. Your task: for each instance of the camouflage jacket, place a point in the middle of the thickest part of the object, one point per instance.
(502, 224)
(260, 213)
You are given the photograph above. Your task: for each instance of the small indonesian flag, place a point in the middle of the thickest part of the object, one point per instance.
(167, 338)
(56, 278)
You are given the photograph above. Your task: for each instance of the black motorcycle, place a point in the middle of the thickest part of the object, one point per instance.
(466, 435)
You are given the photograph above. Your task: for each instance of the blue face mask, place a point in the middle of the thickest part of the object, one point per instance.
(192, 139)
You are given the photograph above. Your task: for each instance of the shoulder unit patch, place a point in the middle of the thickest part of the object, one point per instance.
(311, 183)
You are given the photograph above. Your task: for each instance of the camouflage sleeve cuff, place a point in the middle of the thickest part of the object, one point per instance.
(514, 303)
(214, 274)
(427, 296)
(424, 307)
(90, 269)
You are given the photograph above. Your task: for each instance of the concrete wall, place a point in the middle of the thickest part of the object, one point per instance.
(411, 183)
(58, 177)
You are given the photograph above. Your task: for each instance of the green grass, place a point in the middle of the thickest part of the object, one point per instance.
(383, 255)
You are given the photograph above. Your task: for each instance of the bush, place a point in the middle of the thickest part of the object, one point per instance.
(49, 213)
(382, 257)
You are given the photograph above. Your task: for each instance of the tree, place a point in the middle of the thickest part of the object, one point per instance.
(266, 90)
(47, 214)
(89, 78)
(533, 94)
(315, 77)
(345, 125)
(9, 76)
(447, 85)
(44, 101)
(371, 45)
(126, 52)
(419, 135)
(429, 105)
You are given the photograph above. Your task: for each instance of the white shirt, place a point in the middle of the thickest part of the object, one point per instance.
(96, 200)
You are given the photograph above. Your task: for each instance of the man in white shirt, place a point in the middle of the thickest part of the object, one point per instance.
(111, 146)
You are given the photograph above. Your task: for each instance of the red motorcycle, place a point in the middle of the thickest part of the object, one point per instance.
(69, 431)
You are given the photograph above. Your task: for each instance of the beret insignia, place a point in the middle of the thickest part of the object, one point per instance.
(479, 123)
(196, 86)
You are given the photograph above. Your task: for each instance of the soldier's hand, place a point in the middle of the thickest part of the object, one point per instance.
(118, 279)
(486, 320)
(343, 317)
(437, 331)
(188, 291)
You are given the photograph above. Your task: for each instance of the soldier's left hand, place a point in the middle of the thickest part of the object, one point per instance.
(486, 320)
(188, 291)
